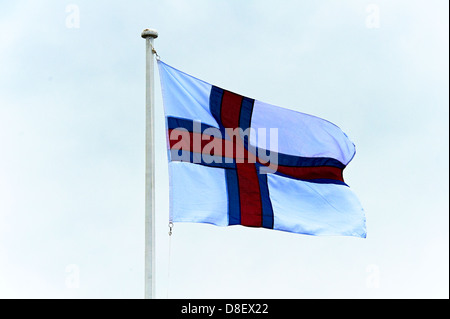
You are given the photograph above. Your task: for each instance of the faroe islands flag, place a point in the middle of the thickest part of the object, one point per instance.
(234, 160)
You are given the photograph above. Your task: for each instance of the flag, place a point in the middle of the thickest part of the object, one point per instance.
(234, 160)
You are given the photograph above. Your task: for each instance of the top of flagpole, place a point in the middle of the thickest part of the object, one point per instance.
(149, 33)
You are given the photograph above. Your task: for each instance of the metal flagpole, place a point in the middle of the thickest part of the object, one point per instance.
(149, 35)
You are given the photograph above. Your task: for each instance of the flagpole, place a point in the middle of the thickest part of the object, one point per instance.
(149, 35)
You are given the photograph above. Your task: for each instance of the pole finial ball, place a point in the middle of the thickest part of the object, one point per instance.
(149, 33)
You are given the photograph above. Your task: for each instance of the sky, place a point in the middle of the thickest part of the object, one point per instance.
(72, 145)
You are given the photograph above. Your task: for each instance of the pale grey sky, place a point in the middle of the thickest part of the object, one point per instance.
(72, 95)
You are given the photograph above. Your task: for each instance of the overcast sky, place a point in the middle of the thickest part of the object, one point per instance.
(72, 136)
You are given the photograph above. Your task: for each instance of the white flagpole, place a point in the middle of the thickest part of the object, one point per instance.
(149, 35)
